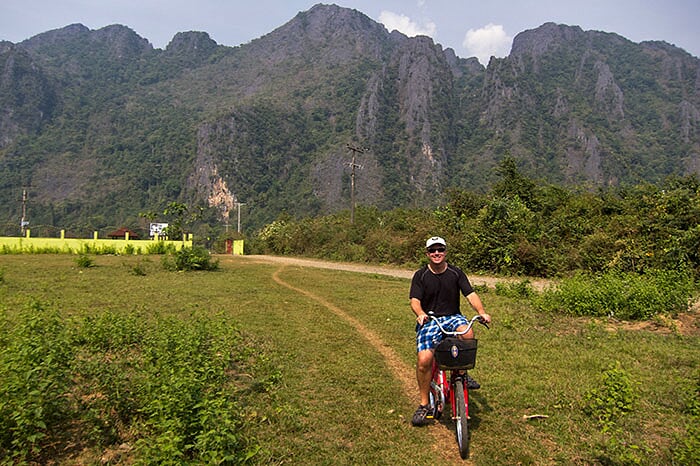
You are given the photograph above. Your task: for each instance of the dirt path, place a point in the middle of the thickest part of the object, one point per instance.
(382, 270)
(687, 323)
(443, 441)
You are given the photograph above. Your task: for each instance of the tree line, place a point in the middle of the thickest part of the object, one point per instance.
(521, 227)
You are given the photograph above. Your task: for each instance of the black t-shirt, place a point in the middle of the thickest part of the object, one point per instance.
(439, 293)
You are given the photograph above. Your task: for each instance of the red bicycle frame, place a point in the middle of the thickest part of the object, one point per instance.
(444, 388)
(455, 390)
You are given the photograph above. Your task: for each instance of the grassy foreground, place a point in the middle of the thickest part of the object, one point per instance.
(311, 386)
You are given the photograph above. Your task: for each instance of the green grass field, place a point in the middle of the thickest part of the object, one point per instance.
(292, 365)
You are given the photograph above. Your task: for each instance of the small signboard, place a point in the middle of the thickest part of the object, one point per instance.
(157, 229)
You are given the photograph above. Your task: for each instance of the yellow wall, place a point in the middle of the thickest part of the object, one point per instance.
(238, 247)
(26, 243)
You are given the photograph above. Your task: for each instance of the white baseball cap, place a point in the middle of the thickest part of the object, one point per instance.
(435, 240)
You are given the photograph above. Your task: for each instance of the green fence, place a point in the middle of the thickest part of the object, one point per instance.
(27, 244)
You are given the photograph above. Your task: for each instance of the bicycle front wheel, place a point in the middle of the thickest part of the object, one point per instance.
(461, 419)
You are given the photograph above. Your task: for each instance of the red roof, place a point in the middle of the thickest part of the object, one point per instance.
(121, 233)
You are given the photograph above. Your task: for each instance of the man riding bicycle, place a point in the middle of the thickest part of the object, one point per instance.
(435, 288)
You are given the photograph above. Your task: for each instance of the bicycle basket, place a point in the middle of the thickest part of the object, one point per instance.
(453, 353)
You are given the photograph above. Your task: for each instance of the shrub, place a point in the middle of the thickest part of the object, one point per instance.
(614, 398)
(629, 296)
(194, 258)
(521, 289)
(84, 261)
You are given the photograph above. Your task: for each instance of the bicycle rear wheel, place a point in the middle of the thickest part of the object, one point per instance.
(461, 419)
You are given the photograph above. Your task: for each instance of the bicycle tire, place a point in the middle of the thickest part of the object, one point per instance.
(461, 416)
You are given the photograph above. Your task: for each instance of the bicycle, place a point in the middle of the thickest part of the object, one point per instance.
(455, 356)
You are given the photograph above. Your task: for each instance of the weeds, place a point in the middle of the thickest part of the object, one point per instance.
(614, 398)
(139, 269)
(608, 404)
(687, 447)
(628, 296)
(163, 380)
(33, 380)
(84, 261)
(188, 259)
(98, 250)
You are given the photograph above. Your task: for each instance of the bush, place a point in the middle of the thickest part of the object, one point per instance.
(194, 258)
(628, 296)
(614, 398)
(521, 289)
(84, 261)
(160, 247)
(520, 228)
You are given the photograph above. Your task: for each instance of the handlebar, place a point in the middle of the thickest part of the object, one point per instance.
(476, 318)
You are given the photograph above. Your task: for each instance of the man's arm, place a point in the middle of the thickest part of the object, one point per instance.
(478, 306)
(417, 308)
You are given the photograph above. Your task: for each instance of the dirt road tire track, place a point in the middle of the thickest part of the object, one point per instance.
(443, 443)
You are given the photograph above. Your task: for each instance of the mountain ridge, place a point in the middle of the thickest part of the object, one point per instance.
(268, 122)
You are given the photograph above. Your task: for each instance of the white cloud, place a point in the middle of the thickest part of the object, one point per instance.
(490, 40)
(395, 21)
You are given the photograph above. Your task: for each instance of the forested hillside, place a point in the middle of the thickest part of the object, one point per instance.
(102, 130)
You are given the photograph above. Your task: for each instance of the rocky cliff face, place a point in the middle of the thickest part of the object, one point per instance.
(27, 94)
(269, 123)
(403, 85)
(595, 98)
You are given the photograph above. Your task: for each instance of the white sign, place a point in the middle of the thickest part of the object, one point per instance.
(157, 229)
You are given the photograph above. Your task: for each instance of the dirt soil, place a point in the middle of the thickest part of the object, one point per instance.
(476, 280)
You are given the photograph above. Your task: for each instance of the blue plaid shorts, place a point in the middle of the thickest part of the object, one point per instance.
(429, 334)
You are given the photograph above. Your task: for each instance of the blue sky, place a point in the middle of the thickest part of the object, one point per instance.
(471, 28)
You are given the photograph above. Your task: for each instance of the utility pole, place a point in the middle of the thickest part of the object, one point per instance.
(238, 205)
(23, 223)
(355, 150)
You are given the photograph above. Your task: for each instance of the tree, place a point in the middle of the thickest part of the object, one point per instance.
(514, 184)
(181, 216)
